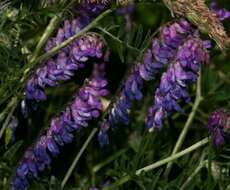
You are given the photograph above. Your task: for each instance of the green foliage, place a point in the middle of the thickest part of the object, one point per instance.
(21, 25)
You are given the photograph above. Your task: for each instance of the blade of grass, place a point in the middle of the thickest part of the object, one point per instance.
(159, 163)
(74, 163)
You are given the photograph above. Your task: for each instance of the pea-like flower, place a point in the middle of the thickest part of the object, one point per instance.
(174, 82)
(86, 106)
(62, 66)
(218, 126)
(161, 53)
(221, 13)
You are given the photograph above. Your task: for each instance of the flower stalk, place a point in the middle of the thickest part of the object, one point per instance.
(188, 123)
(191, 177)
(74, 163)
(46, 35)
(157, 164)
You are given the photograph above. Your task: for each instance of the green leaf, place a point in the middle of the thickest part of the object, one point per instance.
(11, 152)
(8, 135)
(139, 36)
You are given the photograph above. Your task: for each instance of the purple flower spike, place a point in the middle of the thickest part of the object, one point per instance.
(173, 86)
(63, 65)
(218, 124)
(161, 53)
(119, 112)
(86, 106)
(172, 36)
(95, 6)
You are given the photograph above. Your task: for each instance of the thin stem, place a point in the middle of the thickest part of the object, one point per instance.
(48, 32)
(190, 178)
(118, 40)
(4, 126)
(224, 80)
(108, 160)
(10, 105)
(169, 5)
(187, 124)
(210, 166)
(73, 165)
(104, 163)
(173, 157)
(155, 165)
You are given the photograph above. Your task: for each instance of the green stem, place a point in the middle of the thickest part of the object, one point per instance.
(4, 126)
(219, 84)
(155, 165)
(108, 160)
(118, 40)
(187, 125)
(190, 178)
(210, 166)
(73, 165)
(48, 32)
(104, 163)
(10, 105)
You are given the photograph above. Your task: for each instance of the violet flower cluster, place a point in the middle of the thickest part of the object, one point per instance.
(62, 66)
(86, 106)
(174, 82)
(73, 57)
(221, 13)
(160, 54)
(218, 124)
(94, 6)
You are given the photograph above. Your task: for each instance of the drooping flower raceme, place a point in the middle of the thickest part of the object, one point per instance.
(63, 65)
(73, 57)
(174, 82)
(161, 53)
(218, 124)
(85, 107)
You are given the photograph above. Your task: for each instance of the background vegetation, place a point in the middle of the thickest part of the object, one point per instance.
(131, 147)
